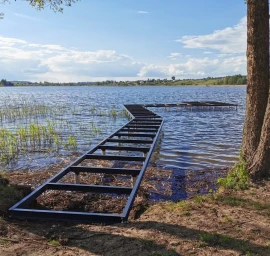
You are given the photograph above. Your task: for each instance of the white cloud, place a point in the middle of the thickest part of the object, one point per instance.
(197, 67)
(142, 12)
(236, 65)
(228, 40)
(192, 67)
(174, 55)
(22, 60)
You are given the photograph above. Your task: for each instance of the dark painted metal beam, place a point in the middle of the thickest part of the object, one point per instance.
(118, 158)
(121, 134)
(89, 188)
(130, 141)
(121, 171)
(124, 148)
(66, 216)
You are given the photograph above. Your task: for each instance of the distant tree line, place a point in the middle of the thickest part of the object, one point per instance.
(4, 82)
(232, 80)
(228, 80)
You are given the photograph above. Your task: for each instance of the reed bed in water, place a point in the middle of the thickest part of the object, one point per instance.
(28, 127)
(33, 138)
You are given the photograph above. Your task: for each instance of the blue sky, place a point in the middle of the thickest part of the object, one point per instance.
(97, 40)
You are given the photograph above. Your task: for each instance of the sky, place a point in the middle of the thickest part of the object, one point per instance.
(96, 40)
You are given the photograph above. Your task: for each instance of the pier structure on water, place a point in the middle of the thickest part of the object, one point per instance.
(140, 134)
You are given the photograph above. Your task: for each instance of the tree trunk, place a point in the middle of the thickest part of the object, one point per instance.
(257, 75)
(260, 167)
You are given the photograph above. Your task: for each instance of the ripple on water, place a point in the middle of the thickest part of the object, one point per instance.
(192, 139)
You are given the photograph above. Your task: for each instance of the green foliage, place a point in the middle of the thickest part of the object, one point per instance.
(237, 178)
(72, 142)
(228, 80)
(112, 113)
(32, 137)
(214, 239)
(236, 201)
(4, 82)
(183, 207)
(54, 242)
(55, 5)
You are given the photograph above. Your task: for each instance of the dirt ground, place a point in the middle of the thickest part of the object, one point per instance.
(227, 223)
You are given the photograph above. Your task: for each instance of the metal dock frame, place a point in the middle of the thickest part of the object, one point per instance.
(144, 124)
(143, 120)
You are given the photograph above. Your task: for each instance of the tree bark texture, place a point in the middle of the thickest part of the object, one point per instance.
(257, 75)
(260, 167)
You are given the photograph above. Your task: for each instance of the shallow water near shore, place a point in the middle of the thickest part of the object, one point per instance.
(192, 139)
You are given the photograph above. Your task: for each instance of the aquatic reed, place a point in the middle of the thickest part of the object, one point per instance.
(30, 126)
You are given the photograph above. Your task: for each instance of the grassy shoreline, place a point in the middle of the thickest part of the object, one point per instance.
(225, 223)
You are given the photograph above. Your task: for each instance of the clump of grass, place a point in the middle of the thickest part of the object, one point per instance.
(95, 129)
(112, 113)
(237, 178)
(72, 142)
(236, 201)
(183, 207)
(25, 139)
(8, 145)
(199, 199)
(124, 113)
(54, 242)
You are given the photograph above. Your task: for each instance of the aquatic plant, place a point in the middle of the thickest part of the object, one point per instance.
(112, 113)
(72, 142)
(30, 125)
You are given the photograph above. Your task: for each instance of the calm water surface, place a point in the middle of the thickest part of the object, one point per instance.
(191, 140)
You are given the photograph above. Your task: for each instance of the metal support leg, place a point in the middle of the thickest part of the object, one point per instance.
(133, 180)
(77, 178)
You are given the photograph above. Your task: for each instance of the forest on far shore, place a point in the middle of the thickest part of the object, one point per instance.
(227, 80)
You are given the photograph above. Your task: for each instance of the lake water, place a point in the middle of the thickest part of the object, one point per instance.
(191, 140)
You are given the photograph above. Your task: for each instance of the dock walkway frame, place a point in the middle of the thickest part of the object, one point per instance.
(143, 129)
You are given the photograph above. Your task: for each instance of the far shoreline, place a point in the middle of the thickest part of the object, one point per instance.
(234, 80)
(113, 85)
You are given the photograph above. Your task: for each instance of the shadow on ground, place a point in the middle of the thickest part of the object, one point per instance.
(134, 238)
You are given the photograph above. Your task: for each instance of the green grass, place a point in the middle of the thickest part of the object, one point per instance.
(71, 143)
(237, 178)
(236, 201)
(217, 240)
(183, 207)
(54, 242)
(3, 241)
